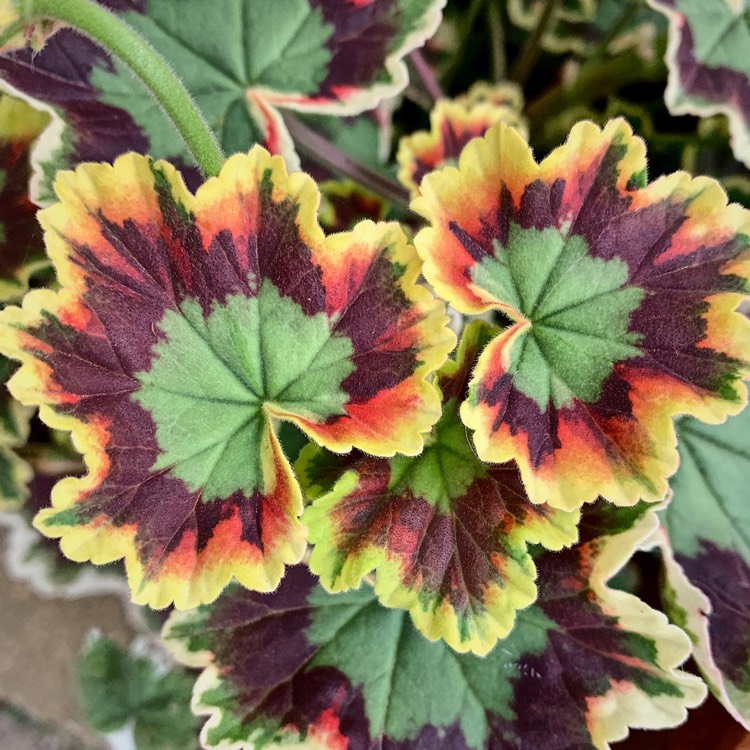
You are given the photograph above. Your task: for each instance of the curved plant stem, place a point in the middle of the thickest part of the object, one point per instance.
(497, 41)
(426, 75)
(317, 148)
(532, 48)
(119, 38)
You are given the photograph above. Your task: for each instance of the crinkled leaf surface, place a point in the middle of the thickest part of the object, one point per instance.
(453, 124)
(708, 70)
(446, 533)
(185, 326)
(118, 687)
(707, 537)
(340, 671)
(21, 245)
(624, 298)
(240, 60)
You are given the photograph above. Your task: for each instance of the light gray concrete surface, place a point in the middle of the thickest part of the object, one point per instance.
(39, 641)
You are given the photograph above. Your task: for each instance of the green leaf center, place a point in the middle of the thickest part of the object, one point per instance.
(445, 468)
(578, 308)
(211, 378)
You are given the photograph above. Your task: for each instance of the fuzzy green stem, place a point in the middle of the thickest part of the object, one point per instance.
(533, 46)
(119, 38)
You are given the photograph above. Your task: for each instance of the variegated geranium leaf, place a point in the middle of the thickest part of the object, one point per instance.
(36, 560)
(453, 124)
(620, 24)
(623, 296)
(708, 71)
(186, 326)
(301, 668)
(240, 60)
(706, 542)
(446, 534)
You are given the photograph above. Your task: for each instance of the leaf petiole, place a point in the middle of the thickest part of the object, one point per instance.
(316, 147)
(119, 38)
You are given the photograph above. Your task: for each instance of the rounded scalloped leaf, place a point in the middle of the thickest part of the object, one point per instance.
(705, 539)
(184, 327)
(624, 296)
(446, 534)
(452, 125)
(364, 45)
(304, 668)
(36, 560)
(707, 76)
(323, 56)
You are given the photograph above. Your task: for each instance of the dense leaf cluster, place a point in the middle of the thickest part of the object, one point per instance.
(246, 381)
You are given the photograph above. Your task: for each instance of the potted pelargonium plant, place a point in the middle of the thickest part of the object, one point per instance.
(380, 418)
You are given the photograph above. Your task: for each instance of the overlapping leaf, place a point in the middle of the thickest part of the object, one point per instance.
(240, 60)
(706, 539)
(338, 671)
(446, 533)
(21, 246)
(618, 24)
(36, 560)
(185, 326)
(624, 298)
(708, 72)
(453, 125)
